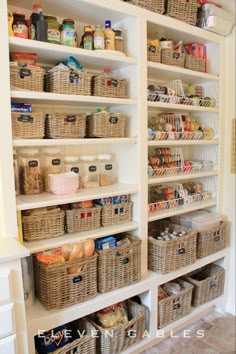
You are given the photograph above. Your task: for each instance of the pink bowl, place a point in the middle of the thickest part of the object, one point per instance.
(64, 183)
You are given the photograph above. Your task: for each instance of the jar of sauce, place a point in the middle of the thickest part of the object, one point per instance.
(68, 34)
(54, 35)
(19, 25)
(119, 41)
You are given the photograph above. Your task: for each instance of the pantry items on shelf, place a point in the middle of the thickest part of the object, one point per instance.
(83, 216)
(185, 11)
(19, 25)
(61, 125)
(112, 316)
(109, 36)
(71, 163)
(98, 38)
(106, 85)
(68, 33)
(105, 124)
(29, 77)
(119, 41)
(53, 30)
(27, 125)
(90, 171)
(64, 183)
(52, 164)
(39, 25)
(153, 49)
(87, 38)
(10, 22)
(108, 170)
(31, 174)
(157, 6)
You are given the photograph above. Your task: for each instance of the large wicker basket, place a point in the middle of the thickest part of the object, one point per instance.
(106, 125)
(69, 82)
(175, 306)
(28, 125)
(120, 266)
(27, 79)
(116, 214)
(172, 57)
(208, 284)
(105, 86)
(168, 256)
(211, 240)
(55, 288)
(65, 126)
(154, 54)
(83, 219)
(157, 6)
(38, 227)
(195, 63)
(123, 335)
(183, 10)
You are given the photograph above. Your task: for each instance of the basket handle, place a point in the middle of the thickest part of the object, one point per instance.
(77, 279)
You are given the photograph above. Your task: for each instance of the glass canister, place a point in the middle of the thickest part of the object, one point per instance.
(90, 172)
(119, 41)
(108, 170)
(31, 175)
(71, 163)
(16, 173)
(52, 164)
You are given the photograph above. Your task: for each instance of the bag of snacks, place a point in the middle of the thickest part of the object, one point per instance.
(112, 316)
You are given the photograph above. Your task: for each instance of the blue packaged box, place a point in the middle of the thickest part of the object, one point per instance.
(21, 107)
(106, 243)
(104, 201)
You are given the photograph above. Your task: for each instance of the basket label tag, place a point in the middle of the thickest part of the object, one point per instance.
(74, 78)
(24, 73)
(70, 118)
(217, 238)
(113, 120)
(25, 119)
(181, 250)
(213, 284)
(114, 82)
(92, 168)
(108, 167)
(125, 261)
(152, 48)
(77, 279)
(176, 55)
(176, 307)
(56, 162)
(33, 163)
(75, 169)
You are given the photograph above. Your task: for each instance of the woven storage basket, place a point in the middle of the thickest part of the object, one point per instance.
(154, 54)
(194, 63)
(83, 219)
(106, 125)
(122, 336)
(168, 256)
(211, 240)
(120, 266)
(175, 306)
(38, 227)
(27, 79)
(116, 214)
(210, 287)
(183, 10)
(69, 82)
(172, 57)
(65, 126)
(104, 86)
(55, 288)
(28, 125)
(152, 5)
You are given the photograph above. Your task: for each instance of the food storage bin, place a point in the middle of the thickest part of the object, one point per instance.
(65, 126)
(52, 164)
(89, 171)
(16, 173)
(195, 63)
(154, 54)
(157, 6)
(71, 163)
(83, 219)
(173, 57)
(186, 219)
(183, 10)
(31, 174)
(116, 214)
(205, 221)
(211, 240)
(108, 170)
(27, 79)
(28, 126)
(64, 183)
(106, 85)
(106, 125)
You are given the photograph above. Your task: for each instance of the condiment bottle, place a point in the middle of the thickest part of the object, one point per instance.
(10, 23)
(40, 26)
(68, 34)
(16, 173)
(107, 170)
(31, 176)
(71, 163)
(119, 41)
(89, 173)
(98, 37)
(109, 37)
(19, 26)
(54, 35)
(87, 38)
(52, 164)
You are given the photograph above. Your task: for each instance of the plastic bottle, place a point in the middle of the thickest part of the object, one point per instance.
(39, 24)
(109, 37)
(87, 38)
(98, 37)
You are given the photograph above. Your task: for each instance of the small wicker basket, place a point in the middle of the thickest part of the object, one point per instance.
(28, 125)
(83, 219)
(105, 86)
(195, 63)
(116, 214)
(27, 79)
(119, 267)
(175, 306)
(106, 125)
(211, 240)
(123, 335)
(172, 57)
(55, 288)
(209, 286)
(168, 256)
(65, 126)
(183, 10)
(157, 6)
(154, 54)
(42, 226)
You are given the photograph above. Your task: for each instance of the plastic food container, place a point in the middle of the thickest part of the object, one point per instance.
(52, 164)
(31, 176)
(186, 219)
(64, 183)
(107, 170)
(90, 171)
(71, 163)
(202, 222)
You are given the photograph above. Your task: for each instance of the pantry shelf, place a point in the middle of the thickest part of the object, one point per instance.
(182, 142)
(69, 142)
(182, 176)
(180, 107)
(24, 202)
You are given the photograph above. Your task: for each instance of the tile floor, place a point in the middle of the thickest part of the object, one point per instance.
(219, 337)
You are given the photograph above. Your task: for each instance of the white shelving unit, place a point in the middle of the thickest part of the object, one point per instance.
(131, 151)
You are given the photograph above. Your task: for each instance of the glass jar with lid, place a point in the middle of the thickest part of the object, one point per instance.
(71, 163)
(16, 173)
(52, 164)
(68, 33)
(31, 175)
(119, 41)
(108, 170)
(90, 172)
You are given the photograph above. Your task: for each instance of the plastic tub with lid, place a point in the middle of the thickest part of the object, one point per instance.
(208, 221)
(52, 164)
(186, 219)
(89, 171)
(107, 170)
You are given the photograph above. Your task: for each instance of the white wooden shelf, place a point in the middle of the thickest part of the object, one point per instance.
(24, 202)
(41, 245)
(181, 176)
(180, 107)
(11, 249)
(182, 142)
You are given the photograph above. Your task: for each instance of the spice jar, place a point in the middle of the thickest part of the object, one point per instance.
(71, 163)
(16, 173)
(19, 26)
(31, 176)
(54, 35)
(119, 41)
(107, 170)
(68, 34)
(90, 172)
(52, 164)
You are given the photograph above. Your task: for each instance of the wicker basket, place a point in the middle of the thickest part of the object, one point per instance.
(122, 269)
(176, 306)
(168, 256)
(65, 126)
(211, 240)
(27, 79)
(194, 63)
(154, 54)
(106, 125)
(210, 287)
(28, 125)
(172, 57)
(123, 336)
(83, 219)
(157, 6)
(183, 10)
(69, 82)
(55, 288)
(38, 227)
(116, 214)
(105, 86)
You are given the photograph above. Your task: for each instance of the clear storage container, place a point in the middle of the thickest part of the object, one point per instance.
(90, 171)
(31, 175)
(107, 170)
(186, 219)
(71, 163)
(16, 173)
(52, 164)
(203, 222)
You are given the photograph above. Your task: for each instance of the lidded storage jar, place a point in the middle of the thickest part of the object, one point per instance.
(71, 163)
(31, 175)
(90, 172)
(52, 164)
(108, 170)
(16, 173)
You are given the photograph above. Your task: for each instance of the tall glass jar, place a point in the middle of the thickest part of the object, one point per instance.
(52, 164)
(71, 163)
(108, 170)
(90, 172)
(31, 175)
(98, 37)
(119, 41)
(16, 173)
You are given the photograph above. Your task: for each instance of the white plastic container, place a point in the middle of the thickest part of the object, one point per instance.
(64, 183)
(208, 221)
(186, 219)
